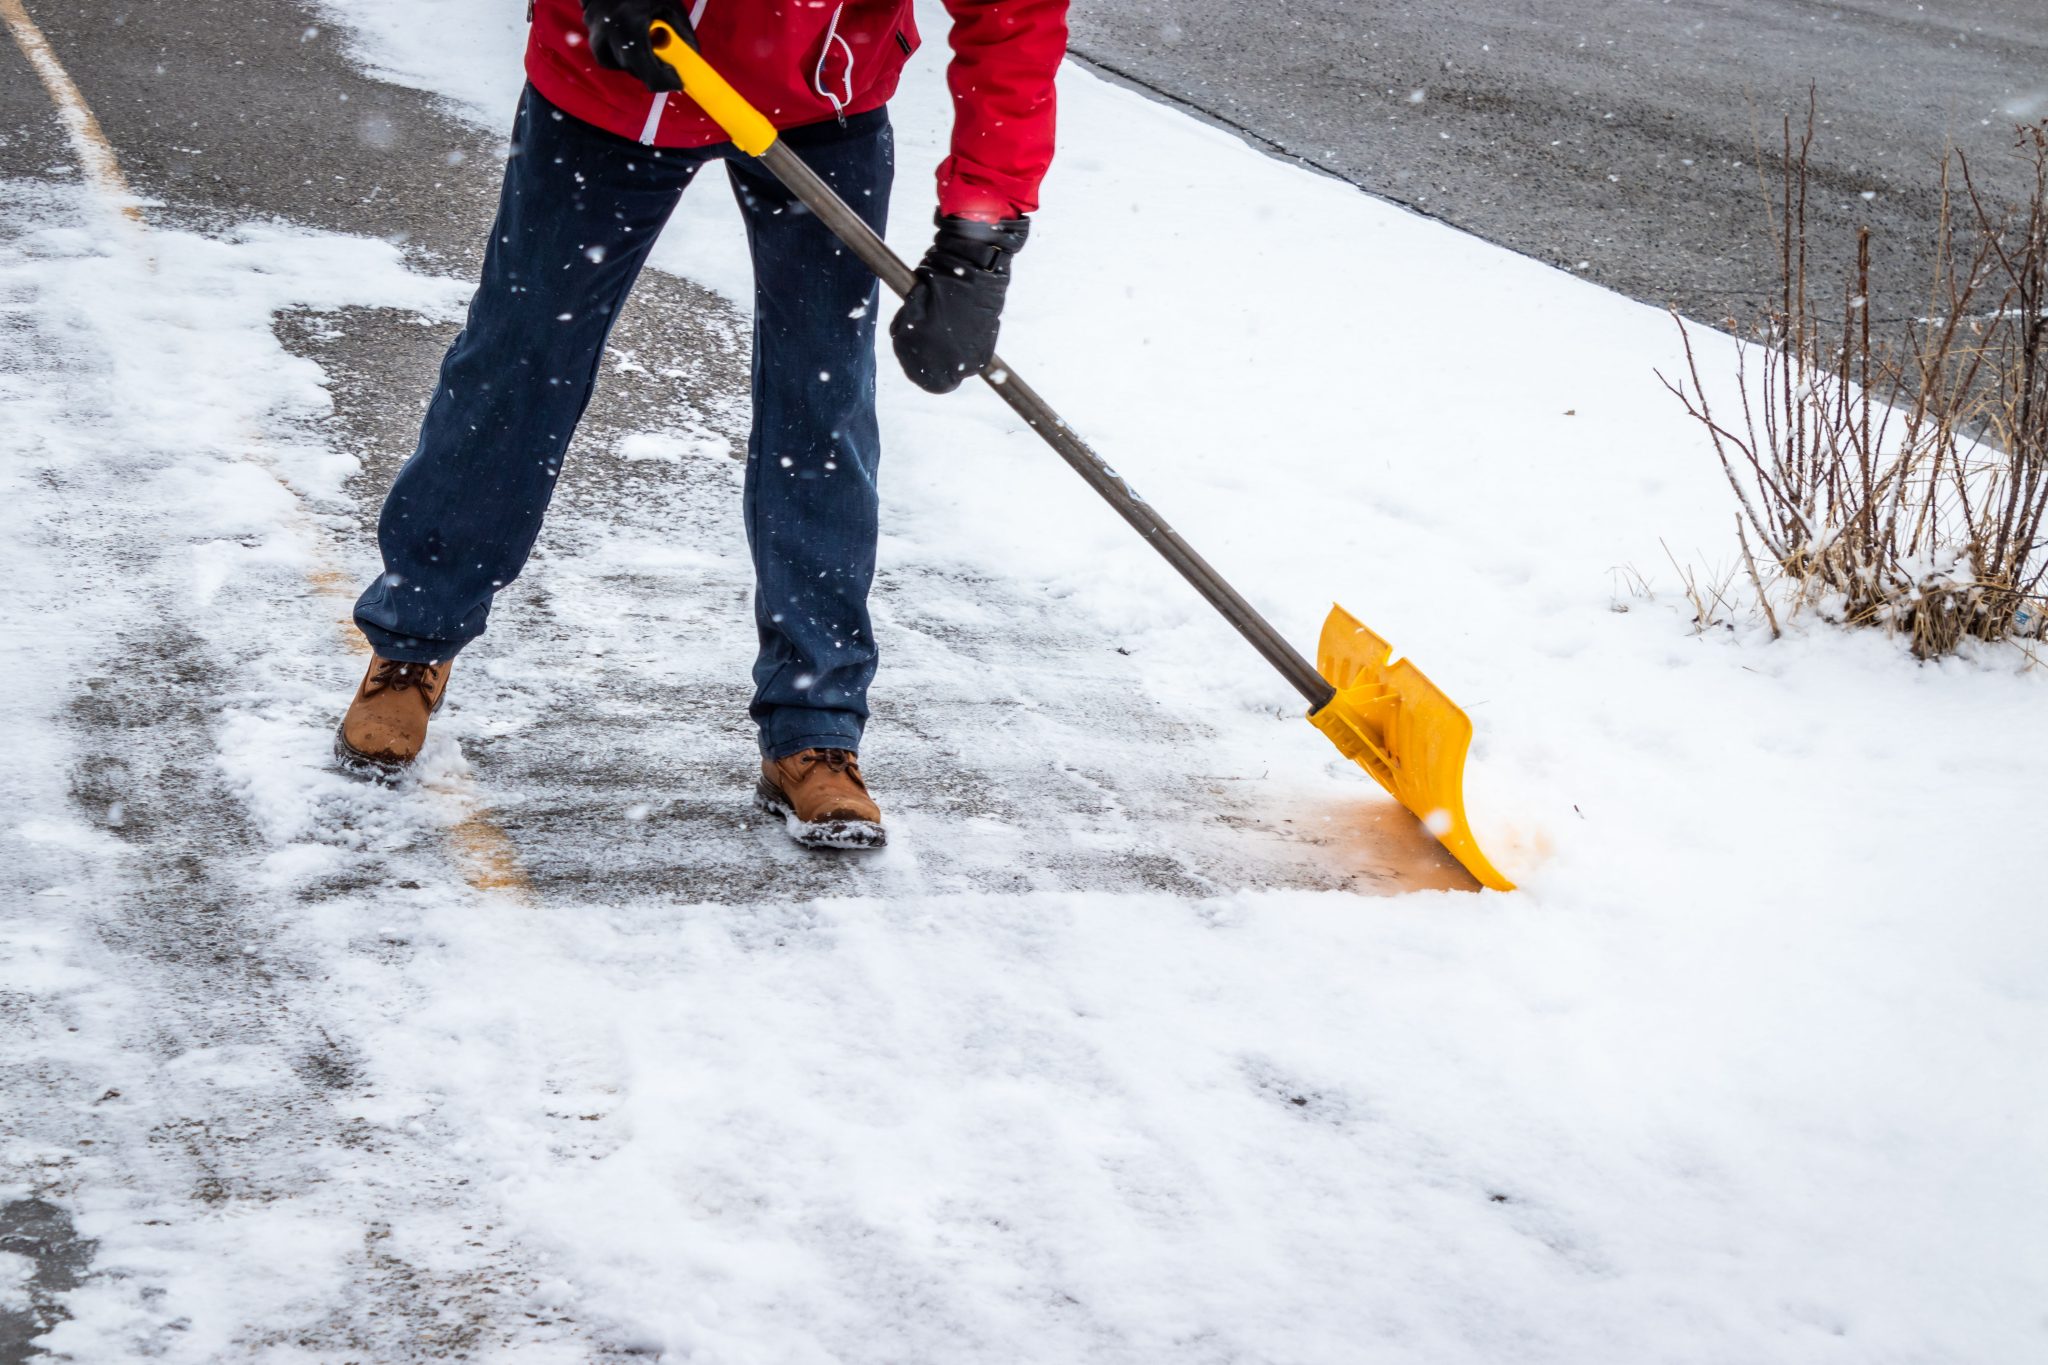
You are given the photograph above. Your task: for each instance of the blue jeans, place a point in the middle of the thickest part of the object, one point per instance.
(579, 211)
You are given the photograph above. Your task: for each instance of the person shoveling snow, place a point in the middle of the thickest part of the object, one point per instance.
(602, 149)
(1383, 714)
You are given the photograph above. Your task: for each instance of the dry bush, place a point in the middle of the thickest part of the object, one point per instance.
(1900, 480)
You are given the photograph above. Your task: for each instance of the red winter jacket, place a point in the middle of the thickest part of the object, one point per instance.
(803, 61)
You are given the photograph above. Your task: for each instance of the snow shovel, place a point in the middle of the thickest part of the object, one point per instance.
(1389, 718)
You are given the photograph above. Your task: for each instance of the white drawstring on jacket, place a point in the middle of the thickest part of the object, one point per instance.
(839, 101)
(659, 105)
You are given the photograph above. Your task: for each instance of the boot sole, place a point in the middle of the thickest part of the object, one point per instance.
(818, 833)
(356, 763)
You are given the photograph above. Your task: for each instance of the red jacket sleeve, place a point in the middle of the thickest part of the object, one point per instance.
(1005, 54)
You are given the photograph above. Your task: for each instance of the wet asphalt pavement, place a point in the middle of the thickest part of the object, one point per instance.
(1614, 138)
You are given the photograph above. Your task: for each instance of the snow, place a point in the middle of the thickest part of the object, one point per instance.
(1746, 1071)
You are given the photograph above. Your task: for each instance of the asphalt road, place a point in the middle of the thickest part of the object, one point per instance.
(1616, 138)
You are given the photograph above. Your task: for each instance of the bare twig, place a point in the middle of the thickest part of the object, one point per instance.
(1936, 530)
(1763, 599)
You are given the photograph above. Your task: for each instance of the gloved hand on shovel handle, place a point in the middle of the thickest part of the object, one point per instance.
(618, 37)
(946, 328)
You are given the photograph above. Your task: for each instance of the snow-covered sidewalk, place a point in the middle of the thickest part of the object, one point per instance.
(1113, 1058)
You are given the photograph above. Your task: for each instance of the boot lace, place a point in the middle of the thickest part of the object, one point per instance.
(394, 675)
(835, 760)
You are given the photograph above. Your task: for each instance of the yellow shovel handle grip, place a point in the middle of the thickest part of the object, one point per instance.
(749, 130)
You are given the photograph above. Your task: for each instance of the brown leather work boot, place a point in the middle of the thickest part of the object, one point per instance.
(820, 796)
(386, 724)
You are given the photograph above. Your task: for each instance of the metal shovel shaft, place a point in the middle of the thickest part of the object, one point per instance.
(863, 242)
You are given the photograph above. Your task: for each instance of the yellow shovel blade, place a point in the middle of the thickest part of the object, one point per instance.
(1400, 727)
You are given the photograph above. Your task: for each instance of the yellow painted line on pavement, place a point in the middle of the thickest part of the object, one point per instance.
(95, 153)
(338, 588)
(482, 851)
(487, 858)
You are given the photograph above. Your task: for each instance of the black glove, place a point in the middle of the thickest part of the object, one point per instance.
(946, 328)
(618, 37)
